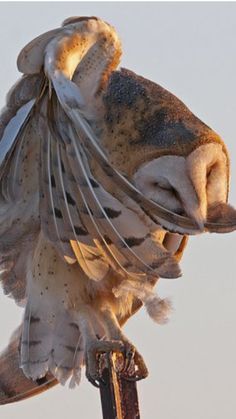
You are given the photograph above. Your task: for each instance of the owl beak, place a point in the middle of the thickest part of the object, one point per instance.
(221, 218)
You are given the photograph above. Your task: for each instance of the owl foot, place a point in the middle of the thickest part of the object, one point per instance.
(128, 365)
(133, 367)
(93, 351)
(127, 362)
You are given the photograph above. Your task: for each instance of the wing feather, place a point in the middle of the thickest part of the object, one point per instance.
(111, 217)
(50, 213)
(90, 258)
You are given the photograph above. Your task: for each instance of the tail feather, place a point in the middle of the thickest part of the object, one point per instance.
(54, 347)
(14, 385)
(67, 350)
(36, 344)
(51, 338)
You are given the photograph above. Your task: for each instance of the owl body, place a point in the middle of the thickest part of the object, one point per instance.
(104, 175)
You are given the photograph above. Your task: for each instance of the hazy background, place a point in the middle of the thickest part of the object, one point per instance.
(188, 48)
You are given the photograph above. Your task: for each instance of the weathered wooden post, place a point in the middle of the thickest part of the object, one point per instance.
(119, 395)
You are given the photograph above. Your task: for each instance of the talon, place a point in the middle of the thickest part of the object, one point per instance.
(133, 377)
(102, 381)
(93, 381)
(137, 369)
(128, 356)
(136, 376)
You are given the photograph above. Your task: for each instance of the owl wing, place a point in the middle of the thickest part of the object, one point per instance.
(48, 183)
(120, 234)
(19, 156)
(47, 149)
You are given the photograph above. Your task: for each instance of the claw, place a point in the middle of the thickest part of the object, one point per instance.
(128, 356)
(103, 382)
(128, 363)
(137, 369)
(133, 377)
(93, 381)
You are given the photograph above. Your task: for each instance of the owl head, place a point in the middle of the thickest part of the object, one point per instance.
(173, 157)
(146, 133)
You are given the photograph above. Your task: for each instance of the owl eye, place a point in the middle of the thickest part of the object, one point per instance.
(156, 184)
(167, 188)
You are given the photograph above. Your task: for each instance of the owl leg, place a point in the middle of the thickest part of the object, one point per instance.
(134, 367)
(94, 346)
(114, 340)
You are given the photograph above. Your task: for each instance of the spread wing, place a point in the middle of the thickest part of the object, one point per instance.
(19, 170)
(47, 183)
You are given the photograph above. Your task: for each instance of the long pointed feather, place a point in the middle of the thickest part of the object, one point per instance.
(51, 217)
(79, 249)
(157, 256)
(12, 133)
(94, 229)
(165, 217)
(85, 211)
(90, 259)
(119, 241)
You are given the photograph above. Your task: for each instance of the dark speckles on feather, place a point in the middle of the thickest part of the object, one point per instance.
(62, 167)
(123, 90)
(160, 129)
(134, 241)
(53, 183)
(107, 239)
(69, 198)
(93, 183)
(58, 213)
(142, 117)
(80, 231)
(111, 213)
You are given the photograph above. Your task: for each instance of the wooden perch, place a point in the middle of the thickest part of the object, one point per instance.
(119, 396)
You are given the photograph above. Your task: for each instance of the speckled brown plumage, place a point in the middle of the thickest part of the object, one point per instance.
(143, 121)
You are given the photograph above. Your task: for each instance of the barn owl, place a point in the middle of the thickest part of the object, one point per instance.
(103, 176)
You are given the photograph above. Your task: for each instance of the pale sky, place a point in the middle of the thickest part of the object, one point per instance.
(189, 48)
